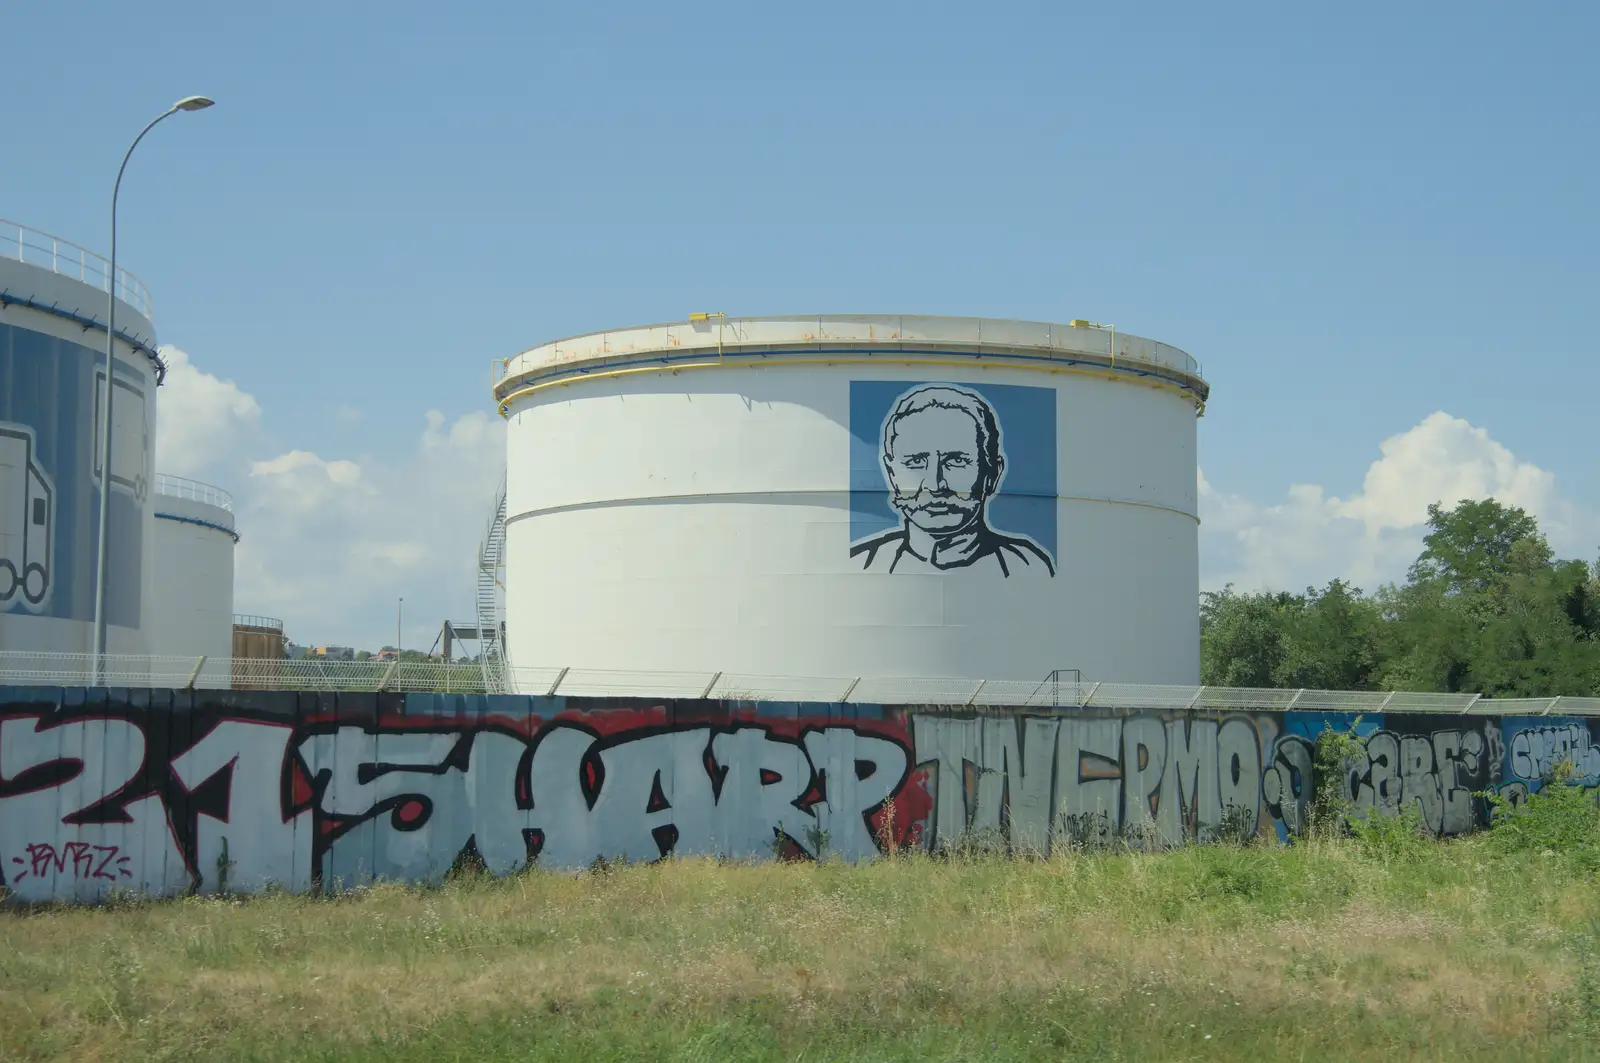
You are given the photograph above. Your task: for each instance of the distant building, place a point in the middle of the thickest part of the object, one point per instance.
(333, 653)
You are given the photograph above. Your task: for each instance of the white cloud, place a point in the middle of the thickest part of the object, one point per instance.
(1446, 459)
(201, 421)
(336, 472)
(1372, 537)
(328, 544)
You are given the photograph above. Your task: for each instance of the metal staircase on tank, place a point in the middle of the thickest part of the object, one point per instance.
(491, 594)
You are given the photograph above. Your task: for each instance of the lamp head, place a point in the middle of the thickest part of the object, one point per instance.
(194, 103)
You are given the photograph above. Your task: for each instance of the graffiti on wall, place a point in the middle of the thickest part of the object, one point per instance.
(940, 450)
(237, 792)
(1038, 778)
(1536, 745)
(161, 792)
(1408, 762)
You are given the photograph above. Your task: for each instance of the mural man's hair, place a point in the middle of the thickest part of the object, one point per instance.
(946, 397)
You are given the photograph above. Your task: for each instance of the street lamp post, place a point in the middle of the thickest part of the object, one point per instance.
(399, 610)
(188, 103)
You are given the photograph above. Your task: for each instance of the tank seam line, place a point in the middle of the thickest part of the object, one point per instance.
(573, 507)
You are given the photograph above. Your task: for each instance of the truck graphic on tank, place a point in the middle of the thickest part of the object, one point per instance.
(27, 519)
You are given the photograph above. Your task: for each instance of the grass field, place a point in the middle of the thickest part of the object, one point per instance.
(1321, 951)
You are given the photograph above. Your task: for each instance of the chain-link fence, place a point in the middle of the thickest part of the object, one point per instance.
(432, 676)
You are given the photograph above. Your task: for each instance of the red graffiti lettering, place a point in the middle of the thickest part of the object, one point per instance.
(111, 855)
(81, 857)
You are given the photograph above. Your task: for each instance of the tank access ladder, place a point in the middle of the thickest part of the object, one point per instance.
(491, 595)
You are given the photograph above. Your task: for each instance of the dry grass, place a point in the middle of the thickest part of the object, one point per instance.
(1316, 952)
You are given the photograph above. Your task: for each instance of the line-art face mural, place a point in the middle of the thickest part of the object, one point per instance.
(943, 462)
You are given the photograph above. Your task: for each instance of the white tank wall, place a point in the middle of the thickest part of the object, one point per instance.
(701, 521)
(191, 611)
(48, 407)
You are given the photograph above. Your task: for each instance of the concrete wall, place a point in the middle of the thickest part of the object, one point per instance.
(159, 792)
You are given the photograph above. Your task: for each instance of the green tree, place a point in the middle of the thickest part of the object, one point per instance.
(1426, 642)
(1536, 642)
(1241, 637)
(1327, 639)
(1486, 608)
(1476, 545)
(1333, 641)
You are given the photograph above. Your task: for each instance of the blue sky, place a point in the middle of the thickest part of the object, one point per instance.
(1355, 217)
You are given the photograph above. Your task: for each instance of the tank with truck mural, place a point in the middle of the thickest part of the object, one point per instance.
(53, 365)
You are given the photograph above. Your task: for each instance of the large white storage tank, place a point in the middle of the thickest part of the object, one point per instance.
(842, 496)
(52, 381)
(192, 593)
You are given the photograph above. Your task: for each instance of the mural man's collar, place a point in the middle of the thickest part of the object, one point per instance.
(946, 551)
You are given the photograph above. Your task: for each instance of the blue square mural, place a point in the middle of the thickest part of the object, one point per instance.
(953, 476)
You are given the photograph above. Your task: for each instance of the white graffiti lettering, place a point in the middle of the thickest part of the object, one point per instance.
(1536, 752)
(1040, 778)
(159, 800)
(733, 792)
(1437, 773)
(254, 844)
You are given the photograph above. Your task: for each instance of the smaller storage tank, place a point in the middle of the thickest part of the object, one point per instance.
(260, 657)
(192, 614)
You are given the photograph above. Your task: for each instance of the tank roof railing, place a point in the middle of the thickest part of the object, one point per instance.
(833, 329)
(194, 490)
(269, 623)
(36, 248)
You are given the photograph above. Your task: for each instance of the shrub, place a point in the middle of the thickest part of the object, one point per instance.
(1331, 803)
(1392, 837)
(1560, 818)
